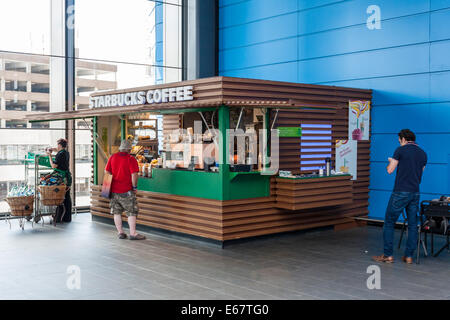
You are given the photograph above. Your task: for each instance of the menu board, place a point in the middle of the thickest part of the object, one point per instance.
(358, 120)
(346, 157)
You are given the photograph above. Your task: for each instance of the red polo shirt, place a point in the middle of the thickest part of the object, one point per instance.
(121, 165)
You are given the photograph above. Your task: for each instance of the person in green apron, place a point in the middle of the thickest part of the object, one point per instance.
(61, 168)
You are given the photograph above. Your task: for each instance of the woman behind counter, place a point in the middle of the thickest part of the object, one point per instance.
(61, 165)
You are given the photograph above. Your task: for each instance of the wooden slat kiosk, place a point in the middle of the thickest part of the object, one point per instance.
(233, 201)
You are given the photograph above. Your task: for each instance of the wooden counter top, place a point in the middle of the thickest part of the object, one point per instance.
(313, 192)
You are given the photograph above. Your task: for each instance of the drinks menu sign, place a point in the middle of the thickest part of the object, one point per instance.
(358, 120)
(346, 157)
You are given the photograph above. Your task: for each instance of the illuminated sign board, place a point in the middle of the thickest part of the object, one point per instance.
(153, 96)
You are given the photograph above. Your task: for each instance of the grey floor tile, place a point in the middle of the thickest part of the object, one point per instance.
(321, 264)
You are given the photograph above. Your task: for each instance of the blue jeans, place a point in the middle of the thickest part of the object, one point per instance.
(398, 202)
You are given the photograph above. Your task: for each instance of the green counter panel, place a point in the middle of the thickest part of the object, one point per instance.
(206, 185)
(244, 185)
(183, 183)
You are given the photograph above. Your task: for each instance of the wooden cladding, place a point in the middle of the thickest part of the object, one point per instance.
(215, 219)
(296, 194)
(235, 92)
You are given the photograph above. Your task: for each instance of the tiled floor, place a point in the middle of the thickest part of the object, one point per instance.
(310, 265)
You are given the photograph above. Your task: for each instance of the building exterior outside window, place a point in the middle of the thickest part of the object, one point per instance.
(143, 49)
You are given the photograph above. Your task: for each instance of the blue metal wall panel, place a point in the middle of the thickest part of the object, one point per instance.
(393, 90)
(349, 13)
(388, 62)
(439, 29)
(248, 11)
(159, 50)
(396, 32)
(440, 56)
(422, 118)
(266, 53)
(438, 142)
(275, 28)
(440, 4)
(277, 72)
(406, 63)
(439, 118)
(223, 3)
(439, 86)
(387, 122)
(308, 4)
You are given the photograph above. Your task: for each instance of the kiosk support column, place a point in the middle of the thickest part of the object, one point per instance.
(224, 167)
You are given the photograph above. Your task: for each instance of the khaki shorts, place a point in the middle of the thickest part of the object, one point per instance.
(121, 202)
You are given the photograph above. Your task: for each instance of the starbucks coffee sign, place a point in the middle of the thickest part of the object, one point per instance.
(163, 95)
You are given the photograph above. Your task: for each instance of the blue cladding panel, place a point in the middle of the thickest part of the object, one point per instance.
(159, 13)
(394, 90)
(439, 86)
(397, 32)
(223, 3)
(308, 4)
(388, 62)
(422, 118)
(380, 179)
(386, 118)
(378, 203)
(380, 198)
(260, 31)
(159, 38)
(278, 72)
(440, 25)
(348, 13)
(385, 144)
(448, 174)
(434, 178)
(439, 118)
(440, 4)
(406, 63)
(248, 11)
(440, 56)
(261, 54)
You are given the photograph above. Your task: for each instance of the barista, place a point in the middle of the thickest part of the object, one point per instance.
(61, 165)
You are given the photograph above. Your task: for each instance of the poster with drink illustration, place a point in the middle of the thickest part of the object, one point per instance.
(358, 120)
(346, 157)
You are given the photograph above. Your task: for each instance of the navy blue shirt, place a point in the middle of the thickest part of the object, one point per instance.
(411, 160)
(62, 160)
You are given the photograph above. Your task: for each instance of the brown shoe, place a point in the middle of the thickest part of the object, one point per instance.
(122, 235)
(407, 260)
(383, 258)
(137, 237)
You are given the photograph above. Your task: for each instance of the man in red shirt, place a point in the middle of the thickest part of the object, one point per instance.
(124, 170)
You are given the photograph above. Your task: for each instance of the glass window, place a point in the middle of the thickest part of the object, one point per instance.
(27, 24)
(143, 49)
(15, 124)
(15, 85)
(17, 105)
(118, 44)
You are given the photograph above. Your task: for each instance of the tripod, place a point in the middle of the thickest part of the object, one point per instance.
(420, 241)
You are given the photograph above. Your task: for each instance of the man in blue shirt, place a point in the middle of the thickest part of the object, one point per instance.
(410, 161)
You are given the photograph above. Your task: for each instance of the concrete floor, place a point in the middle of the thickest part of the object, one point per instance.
(320, 264)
